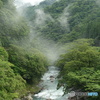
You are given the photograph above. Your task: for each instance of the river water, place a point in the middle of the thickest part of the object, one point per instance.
(49, 86)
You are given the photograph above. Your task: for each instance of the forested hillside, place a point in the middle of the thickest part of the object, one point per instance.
(71, 26)
(80, 67)
(67, 22)
(20, 64)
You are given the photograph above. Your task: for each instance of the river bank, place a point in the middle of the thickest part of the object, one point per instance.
(28, 92)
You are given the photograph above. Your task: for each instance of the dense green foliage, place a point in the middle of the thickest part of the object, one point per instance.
(3, 54)
(20, 64)
(10, 83)
(64, 21)
(12, 27)
(82, 20)
(20, 68)
(80, 66)
(29, 63)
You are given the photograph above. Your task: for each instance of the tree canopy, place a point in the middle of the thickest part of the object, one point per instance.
(80, 66)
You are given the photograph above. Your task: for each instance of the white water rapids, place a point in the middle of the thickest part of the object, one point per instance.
(49, 84)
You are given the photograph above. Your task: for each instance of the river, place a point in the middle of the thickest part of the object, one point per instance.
(49, 83)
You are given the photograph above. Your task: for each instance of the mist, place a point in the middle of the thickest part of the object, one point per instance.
(98, 2)
(63, 19)
(48, 47)
(41, 17)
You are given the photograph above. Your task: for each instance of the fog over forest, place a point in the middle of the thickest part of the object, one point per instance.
(55, 41)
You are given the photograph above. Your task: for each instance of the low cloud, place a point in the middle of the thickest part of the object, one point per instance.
(49, 48)
(41, 17)
(98, 2)
(63, 19)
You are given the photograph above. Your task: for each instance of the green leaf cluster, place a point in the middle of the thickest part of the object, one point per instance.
(3, 54)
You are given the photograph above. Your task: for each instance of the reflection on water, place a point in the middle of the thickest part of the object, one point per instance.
(49, 86)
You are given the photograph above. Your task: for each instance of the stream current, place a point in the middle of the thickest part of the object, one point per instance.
(49, 86)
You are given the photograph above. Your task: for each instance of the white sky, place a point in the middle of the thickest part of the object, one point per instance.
(22, 2)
